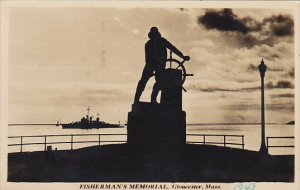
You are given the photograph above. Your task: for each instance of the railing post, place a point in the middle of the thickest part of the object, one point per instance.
(243, 143)
(45, 143)
(71, 142)
(204, 139)
(99, 140)
(267, 144)
(21, 144)
(224, 140)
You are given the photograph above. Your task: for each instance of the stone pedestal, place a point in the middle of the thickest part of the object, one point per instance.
(161, 124)
(150, 124)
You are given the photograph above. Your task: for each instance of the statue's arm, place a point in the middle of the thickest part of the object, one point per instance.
(173, 48)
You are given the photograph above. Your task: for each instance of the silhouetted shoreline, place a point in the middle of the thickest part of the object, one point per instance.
(124, 163)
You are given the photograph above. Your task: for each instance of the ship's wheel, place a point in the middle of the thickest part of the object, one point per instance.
(176, 64)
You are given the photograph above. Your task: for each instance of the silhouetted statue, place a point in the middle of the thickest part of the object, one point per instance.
(156, 56)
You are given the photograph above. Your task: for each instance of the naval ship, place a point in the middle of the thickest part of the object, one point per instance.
(87, 122)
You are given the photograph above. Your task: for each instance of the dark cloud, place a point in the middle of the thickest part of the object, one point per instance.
(291, 73)
(280, 25)
(223, 20)
(284, 84)
(287, 95)
(247, 40)
(272, 106)
(243, 107)
(275, 69)
(215, 89)
(226, 20)
(269, 85)
(280, 84)
(252, 67)
(281, 106)
(244, 28)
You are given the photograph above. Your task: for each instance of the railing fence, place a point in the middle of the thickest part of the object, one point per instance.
(279, 146)
(71, 141)
(205, 139)
(224, 141)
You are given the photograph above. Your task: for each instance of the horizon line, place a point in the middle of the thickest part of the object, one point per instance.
(250, 123)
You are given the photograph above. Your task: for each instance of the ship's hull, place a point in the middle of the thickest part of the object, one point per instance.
(89, 125)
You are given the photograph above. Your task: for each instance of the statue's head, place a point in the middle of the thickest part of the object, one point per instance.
(154, 33)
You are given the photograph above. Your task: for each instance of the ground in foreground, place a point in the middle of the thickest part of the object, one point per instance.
(124, 163)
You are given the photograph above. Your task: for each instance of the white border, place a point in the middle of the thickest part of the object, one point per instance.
(5, 6)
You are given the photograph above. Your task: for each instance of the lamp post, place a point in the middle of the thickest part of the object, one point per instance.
(262, 69)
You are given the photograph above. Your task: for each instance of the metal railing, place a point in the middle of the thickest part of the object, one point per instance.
(223, 142)
(71, 141)
(44, 140)
(279, 146)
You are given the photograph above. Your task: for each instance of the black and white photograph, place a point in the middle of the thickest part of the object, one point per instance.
(149, 95)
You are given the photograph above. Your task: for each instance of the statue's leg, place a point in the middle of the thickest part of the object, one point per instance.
(156, 86)
(141, 85)
(155, 91)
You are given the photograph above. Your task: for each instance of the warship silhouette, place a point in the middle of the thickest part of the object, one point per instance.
(88, 122)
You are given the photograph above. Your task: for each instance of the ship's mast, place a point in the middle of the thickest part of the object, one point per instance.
(88, 109)
(98, 119)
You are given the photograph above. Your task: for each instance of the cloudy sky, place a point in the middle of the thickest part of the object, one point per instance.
(62, 60)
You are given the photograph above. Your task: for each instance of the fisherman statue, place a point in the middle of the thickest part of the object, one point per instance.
(164, 124)
(156, 58)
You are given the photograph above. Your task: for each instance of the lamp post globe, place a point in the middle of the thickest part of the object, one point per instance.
(262, 69)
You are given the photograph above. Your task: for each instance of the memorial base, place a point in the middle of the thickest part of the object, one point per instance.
(153, 124)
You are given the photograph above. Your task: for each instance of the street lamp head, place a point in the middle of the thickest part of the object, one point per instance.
(262, 68)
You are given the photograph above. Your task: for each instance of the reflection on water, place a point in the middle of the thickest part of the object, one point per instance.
(251, 136)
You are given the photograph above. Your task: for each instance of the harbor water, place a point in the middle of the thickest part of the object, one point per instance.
(252, 136)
